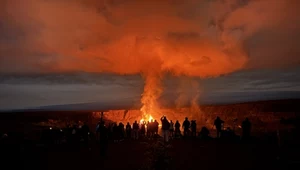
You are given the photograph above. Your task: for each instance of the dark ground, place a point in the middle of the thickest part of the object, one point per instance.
(185, 154)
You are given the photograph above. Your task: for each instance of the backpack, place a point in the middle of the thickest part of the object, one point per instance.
(98, 128)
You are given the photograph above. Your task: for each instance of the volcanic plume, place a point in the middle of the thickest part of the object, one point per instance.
(197, 38)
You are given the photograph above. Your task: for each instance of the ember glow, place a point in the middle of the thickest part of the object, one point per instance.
(149, 118)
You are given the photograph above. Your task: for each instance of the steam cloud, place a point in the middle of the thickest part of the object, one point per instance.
(150, 37)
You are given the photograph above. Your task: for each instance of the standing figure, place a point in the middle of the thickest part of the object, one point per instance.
(85, 134)
(218, 123)
(171, 129)
(135, 128)
(98, 130)
(246, 126)
(116, 133)
(177, 129)
(186, 127)
(194, 128)
(143, 129)
(165, 128)
(148, 133)
(155, 127)
(103, 138)
(121, 130)
(128, 130)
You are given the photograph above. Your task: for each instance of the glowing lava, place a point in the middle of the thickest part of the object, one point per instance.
(148, 119)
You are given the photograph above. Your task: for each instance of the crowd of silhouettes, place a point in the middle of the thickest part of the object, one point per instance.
(80, 134)
(107, 133)
(169, 130)
(74, 135)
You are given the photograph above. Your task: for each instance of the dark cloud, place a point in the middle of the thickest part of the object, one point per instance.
(53, 89)
(71, 78)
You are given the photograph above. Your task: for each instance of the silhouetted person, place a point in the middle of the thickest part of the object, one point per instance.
(218, 123)
(165, 128)
(74, 135)
(110, 130)
(177, 128)
(204, 133)
(85, 133)
(246, 126)
(171, 129)
(151, 128)
(148, 129)
(135, 128)
(103, 139)
(234, 123)
(121, 130)
(155, 127)
(143, 129)
(116, 133)
(98, 130)
(128, 130)
(194, 128)
(186, 126)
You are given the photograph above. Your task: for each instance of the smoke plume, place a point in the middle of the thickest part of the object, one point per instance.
(188, 96)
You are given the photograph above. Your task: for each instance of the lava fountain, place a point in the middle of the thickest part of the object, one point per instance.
(152, 91)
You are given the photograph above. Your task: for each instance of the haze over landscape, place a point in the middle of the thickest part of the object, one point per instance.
(110, 52)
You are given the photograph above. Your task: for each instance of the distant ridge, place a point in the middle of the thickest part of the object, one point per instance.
(215, 99)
